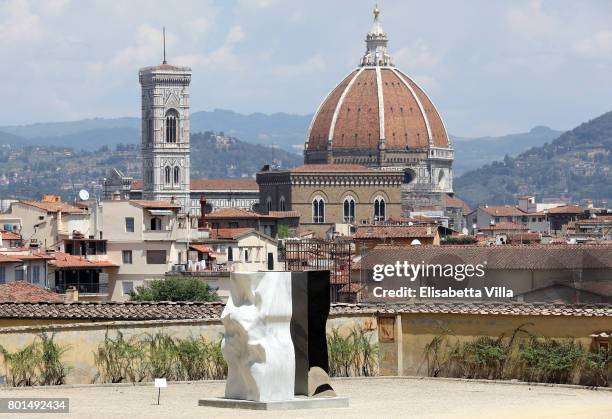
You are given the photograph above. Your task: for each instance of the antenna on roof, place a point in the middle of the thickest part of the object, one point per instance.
(164, 36)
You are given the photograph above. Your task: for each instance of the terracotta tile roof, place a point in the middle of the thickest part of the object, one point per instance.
(112, 310)
(508, 257)
(283, 214)
(497, 308)
(55, 207)
(25, 292)
(229, 233)
(565, 209)
(212, 311)
(395, 231)
(232, 213)
(221, 184)
(525, 237)
(155, 204)
(64, 260)
(9, 259)
(318, 168)
(358, 123)
(9, 235)
(504, 226)
(213, 184)
(451, 201)
(502, 210)
(201, 248)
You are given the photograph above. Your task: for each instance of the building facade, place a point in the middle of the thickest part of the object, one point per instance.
(165, 133)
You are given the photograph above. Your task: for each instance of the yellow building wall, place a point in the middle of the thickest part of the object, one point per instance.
(419, 329)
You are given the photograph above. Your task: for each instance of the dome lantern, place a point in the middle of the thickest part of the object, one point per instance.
(376, 44)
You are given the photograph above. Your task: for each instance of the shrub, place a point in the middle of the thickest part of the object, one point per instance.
(159, 355)
(175, 289)
(119, 360)
(21, 365)
(52, 370)
(530, 358)
(39, 363)
(353, 354)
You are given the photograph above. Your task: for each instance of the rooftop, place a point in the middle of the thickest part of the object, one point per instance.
(508, 257)
(502, 210)
(395, 231)
(214, 184)
(64, 260)
(55, 207)
(212, 311)
(25, 292)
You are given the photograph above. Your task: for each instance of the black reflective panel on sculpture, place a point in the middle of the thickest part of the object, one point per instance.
(310, 300)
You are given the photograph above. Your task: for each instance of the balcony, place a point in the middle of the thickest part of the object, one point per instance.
(159, 235)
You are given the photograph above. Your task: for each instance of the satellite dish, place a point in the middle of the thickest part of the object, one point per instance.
(83, 195)
(415, 242)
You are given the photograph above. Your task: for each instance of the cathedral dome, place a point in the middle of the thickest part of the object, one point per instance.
(375, 112)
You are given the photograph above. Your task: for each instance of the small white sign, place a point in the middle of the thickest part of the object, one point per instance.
(160, 382)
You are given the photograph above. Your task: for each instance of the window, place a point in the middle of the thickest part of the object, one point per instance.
(270, 261)
(171, 126)
(246, 255)
(177, 175)
(156, 257)
(128, 287)
(349, 209)
(281, 204)
(35, 279)
(379, 209)
(2, 274)
(318, 210)
(127, 257)
(129, 224)
(269, 204)
(150, 130)
(19, 274)
(230, 254)
(167, 171)
(233, 224)
(156, 224)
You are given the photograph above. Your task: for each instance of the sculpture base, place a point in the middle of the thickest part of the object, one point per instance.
(293, 404)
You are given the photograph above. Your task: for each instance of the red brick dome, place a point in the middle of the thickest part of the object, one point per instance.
(374, 111)
(368, 109)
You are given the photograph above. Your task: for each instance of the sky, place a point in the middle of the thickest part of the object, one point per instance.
(492, 67)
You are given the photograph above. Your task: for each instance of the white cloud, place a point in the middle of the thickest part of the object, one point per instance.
(417, 56)
(314, 64)
(598, 45)
(530, 20)
(19, 25)
(235, 35)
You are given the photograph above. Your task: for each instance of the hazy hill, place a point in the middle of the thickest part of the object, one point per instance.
(279, 129)
(30, 171)
(471, 153)
(576, 166)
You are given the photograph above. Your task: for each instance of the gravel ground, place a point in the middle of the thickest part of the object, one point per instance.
(381, 398)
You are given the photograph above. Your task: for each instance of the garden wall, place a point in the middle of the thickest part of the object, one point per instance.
(83, 339)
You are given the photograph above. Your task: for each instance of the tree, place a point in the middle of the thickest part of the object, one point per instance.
(175, 289)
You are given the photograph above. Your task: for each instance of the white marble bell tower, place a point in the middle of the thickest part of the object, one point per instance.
(165, 133)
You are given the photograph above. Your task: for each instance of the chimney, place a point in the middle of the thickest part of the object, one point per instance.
(60, 224)
(72, 295)
(202, 221)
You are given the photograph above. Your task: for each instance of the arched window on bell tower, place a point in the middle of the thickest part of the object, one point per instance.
(167, 174)
(172, 126)
(177, 175)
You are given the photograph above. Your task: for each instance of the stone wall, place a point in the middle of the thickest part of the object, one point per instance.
(83, 339)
